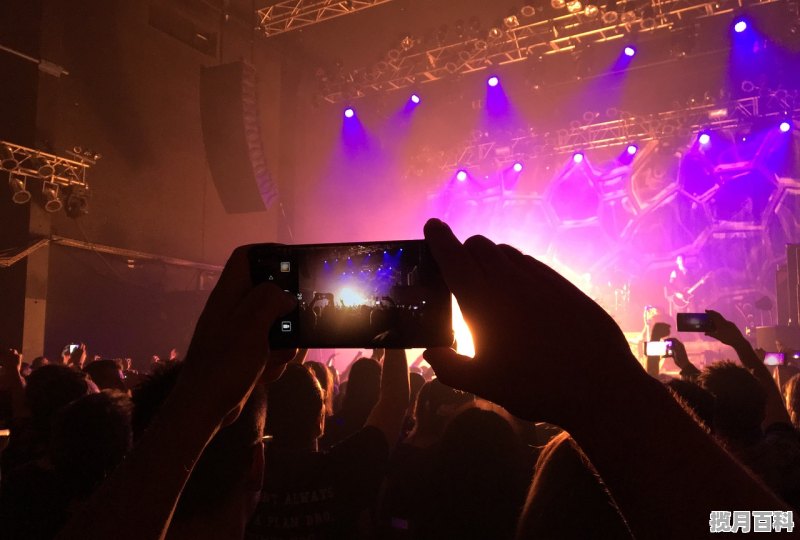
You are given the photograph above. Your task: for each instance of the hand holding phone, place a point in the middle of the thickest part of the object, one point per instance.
(695, 322)
(774, 359)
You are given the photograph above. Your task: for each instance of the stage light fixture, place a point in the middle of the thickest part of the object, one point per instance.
(740, 26)
(704, 138)
(7, 160)
(517, 167)
(511, 21)
(51, 201)
(591, 11)
(630, 51)
(527, 10)
(493, 81)
(785, 126)
(558, 4)
(575, 6)
(632, 149)
(20, 193)
(349, 112)
(461, 175)
(415, 99)
(77, 201)
(42, 167)
(577, 157)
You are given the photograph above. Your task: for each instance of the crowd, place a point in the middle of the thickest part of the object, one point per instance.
(552, 430)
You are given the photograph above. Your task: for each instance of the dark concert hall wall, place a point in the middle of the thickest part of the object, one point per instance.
(132, 95)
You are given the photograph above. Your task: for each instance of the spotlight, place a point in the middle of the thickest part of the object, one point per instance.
(591, 11)
(495, 33)
(461, 175)
(7, 160)
(740, 26)
(42, 167)
(517, 167)
(50, 193)
(558, 4)
(574, 6)
(77, 202)
(349, 112)
(577, 157)
(20, 194)
(511, 21)
(493, 81)
(630, 51)
(415, 99)
(704, 139)
(785, 126)
(632, 149)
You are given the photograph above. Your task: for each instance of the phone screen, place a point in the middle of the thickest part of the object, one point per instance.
(357, 295)
(73, 347)
(774, 359)
(657, 348)
(694, 322)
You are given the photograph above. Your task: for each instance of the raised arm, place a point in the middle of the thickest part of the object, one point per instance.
(228, 354)
(650, 453)
(728, 333)
(390, 410)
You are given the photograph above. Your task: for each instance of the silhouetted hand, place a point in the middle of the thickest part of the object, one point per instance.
(543, 348)
(230, 351)
(724, 330)
(78, 356)
(10, 363)
(679, 353)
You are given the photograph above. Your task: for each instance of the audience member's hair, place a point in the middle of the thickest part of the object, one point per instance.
(478, 481)
(294, 407)
(567, 499)
(792, 396)
(325, 379)
(39, 361)
(52, 387)
(739, 402)
(436, 403)
(106, 374)
(226, 461)
(363, 389)
(90, 437)
(699, 400)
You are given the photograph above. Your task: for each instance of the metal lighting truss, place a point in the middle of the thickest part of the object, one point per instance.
(32, 163)
(628, 128)
(293, 14)
(538, 38)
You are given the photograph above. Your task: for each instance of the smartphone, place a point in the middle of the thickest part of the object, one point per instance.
(73, 347)
(357, 295)
(658, 348)
(694, 322)
(774, 359)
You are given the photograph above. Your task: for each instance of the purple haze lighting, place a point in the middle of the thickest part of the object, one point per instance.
(577, 157)
(632, 149)
(349, 112)
(704, 138)
(517, 167)
(415, 99)
(493, 81)
(461, 175)
(630, 51)
(740, 26)
(785, 126)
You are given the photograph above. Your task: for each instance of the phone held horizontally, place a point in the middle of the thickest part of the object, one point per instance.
(357, 295)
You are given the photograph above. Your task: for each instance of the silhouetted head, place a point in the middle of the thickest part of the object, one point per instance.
(90, 437)
(295, 408)
(436, 404)
(106, 374)
(52, 387)
(739, 402)
(363, 388)
(325, 379)
(231, 466)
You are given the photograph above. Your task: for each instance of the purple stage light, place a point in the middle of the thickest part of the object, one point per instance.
(493, 81)
(632, 149)
(785, 126)
(577, 157)
(740, 26)
(349, 112)
(461, 175)
(415, 99)
(630, 51)
(704, 139)
(517, 167)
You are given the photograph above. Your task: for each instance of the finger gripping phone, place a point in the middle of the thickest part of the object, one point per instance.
(694, 322)
(357, 295)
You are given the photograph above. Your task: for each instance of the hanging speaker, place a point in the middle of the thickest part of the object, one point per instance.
(232, 138)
